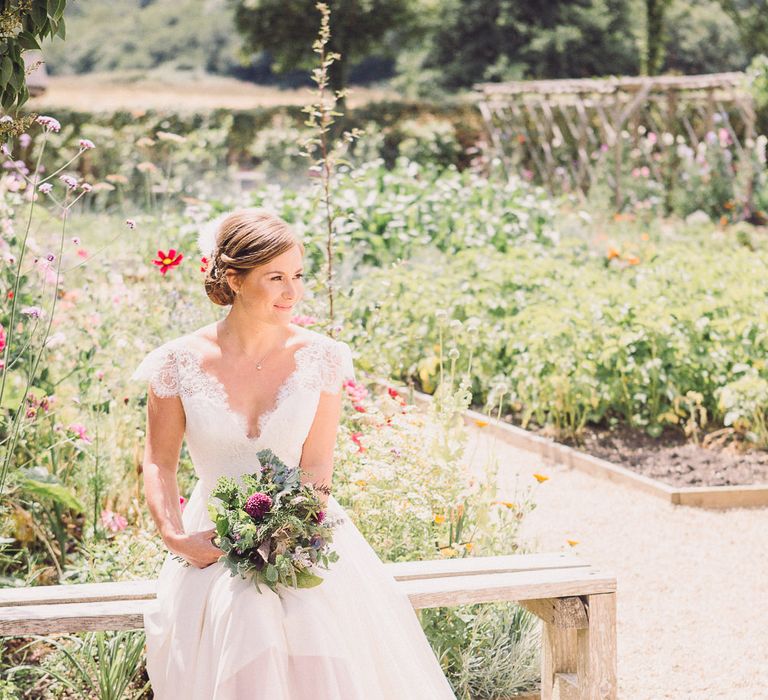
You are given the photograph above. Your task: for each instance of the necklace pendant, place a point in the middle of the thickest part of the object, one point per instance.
(258, 366)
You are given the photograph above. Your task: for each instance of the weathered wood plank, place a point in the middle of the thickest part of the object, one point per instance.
(566, 687)
(144, 588)
(596, 650)
(79, 593)
(465, 566)
(23, 620)
(528, 585)
(559, 612)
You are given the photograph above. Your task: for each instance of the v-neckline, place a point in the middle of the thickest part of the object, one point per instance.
(263, 420)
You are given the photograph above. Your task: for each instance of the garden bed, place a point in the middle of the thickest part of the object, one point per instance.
(675, 461)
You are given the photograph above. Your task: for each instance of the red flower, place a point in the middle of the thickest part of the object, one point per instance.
(356, 439)
(165, 262)
(10, 294)
(360, 409)
(204, 266)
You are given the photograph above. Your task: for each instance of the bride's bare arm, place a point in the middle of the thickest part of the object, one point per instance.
(165, 432)
(317, 451)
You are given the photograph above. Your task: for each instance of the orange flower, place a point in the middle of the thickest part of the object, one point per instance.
(521, 138)
(468, 546)
(540, 477)
(439, 519)
(644, 236)
(507, 504)
(633, 260)
(480, 423)
(723, 220)
(728, 205)
(612, 253)
(573, 543)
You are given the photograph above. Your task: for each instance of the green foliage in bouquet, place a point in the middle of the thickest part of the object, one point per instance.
(272, 527)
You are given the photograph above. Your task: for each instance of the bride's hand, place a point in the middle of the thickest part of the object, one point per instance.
(196, 547)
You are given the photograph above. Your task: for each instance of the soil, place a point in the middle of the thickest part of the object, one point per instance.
(674, 460)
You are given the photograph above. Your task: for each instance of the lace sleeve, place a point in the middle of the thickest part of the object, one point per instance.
(339, 368)
(159, 368)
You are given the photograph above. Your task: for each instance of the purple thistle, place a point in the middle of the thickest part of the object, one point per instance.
(258, 505)
(320, 516)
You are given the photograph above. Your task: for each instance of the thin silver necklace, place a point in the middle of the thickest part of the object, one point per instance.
(258, 364)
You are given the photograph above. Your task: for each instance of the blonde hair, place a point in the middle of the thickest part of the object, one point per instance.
(245, 239)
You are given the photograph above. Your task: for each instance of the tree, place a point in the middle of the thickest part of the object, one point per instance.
(488, 39)
(751, 20)
(23, 23)
(287, 28)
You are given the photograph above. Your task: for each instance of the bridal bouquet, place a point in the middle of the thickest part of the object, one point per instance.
(272, 528)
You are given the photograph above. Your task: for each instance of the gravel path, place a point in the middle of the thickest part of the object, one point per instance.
(692, 597)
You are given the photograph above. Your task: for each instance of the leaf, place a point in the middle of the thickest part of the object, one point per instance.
(28, 41)
(270, 574)
(58, 493)
(307, 580)
(61, 30)
(6, 68)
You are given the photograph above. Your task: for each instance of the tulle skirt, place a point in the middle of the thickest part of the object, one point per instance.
(212, 636)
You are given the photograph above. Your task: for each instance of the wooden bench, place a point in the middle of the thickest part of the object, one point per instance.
(575, 601)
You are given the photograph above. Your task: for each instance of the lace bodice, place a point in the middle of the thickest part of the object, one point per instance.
(216, 435)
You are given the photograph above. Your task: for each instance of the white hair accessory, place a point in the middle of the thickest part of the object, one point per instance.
(206, 238)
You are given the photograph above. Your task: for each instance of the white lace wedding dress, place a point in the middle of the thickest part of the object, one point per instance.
(211, 636)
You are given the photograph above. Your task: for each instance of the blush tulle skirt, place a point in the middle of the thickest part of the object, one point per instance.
(211, 636)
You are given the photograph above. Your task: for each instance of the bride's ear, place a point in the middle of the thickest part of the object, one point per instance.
(233, 280)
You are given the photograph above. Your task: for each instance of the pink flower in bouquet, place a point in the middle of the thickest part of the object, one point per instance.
(113, 521)
(320, 516)
(258, 505)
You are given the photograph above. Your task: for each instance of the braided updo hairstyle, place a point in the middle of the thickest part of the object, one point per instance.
(245, 239)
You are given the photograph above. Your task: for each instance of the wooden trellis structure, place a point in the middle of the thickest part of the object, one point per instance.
(567, 133)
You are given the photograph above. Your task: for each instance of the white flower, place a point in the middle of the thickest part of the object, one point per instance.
(206, 237)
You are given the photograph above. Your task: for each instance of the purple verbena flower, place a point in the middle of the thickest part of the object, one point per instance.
(32, 311)
(86, 187)
(48, 123)
(25, 140)
(86, 144)
(258, 505)
(45, 188)
(130, 223)
(69, 181)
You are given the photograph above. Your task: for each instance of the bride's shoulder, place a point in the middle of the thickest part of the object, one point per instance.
(332, 357)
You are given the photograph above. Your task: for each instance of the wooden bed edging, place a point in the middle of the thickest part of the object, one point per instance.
(711, 497)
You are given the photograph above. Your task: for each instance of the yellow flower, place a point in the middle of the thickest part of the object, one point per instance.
(439, 519)
(573, 543)
(540, 477)
(508, 504)
(468, 546)
(480, 423)
(448, 551)
(361, 482)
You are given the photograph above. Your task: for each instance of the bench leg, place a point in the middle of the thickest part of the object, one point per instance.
(596, 650)
(558, 656)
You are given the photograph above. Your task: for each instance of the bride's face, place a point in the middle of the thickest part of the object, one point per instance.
(271, 291)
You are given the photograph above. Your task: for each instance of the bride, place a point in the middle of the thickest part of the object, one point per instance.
(249, 382)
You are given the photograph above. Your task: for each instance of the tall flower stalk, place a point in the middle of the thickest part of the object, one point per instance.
(321, 147)
(36, 186)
